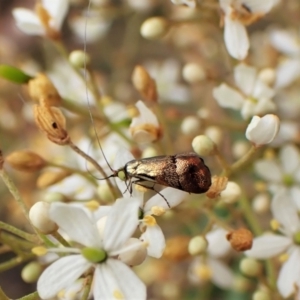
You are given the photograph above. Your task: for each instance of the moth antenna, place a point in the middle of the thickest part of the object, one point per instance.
(87, 93)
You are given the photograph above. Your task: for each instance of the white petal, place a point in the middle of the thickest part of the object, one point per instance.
(248, 109)
(285, 41)
(268, 170)
(287, 71)
(257, 6)
(218, 245)
(155, 239)
(121, 223)
(115, 280)
(268, 245)
(261, 90)
(76, 224)
(57, 9)
(222, 276)
(290, 158)
(263, 130)
(295, 195)
(289, 275)
(285, 212)
(145, 115)
(228, 97)
(236, 38)
(61, 274)
(28, 22)
(264, 105)
(173, 196)
(245, 77)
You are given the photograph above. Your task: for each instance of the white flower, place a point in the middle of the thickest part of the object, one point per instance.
(167, 76)
(238, 14)
(287, 42)
(271, 245)
(211, 266)
(261, 131)
(254, 97)
(284, 173)
(112, 278)
(144, 128)
(46, 20)
(190, 3)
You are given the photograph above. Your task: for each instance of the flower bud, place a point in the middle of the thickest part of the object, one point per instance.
(136, 255)
(261, 295)
(203, 145)
(190, 125)
(154, 28)
(240, 148)
(49, 178)
(41, 87)
(149, 152)
(26, 161)
(197, 245)
(214, 133)
(267, 75)
(240, 239)
(79, 59)
(39, 217)
(193, 73)
(52, 122)
(177, 248)
(31, 272)
(144, 84)
(263, 130)
(232, 193)
(250, 267)
(105, 193)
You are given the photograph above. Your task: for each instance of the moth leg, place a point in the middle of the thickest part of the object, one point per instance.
(140, 183)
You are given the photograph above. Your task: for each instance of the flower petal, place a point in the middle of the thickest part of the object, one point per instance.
(218, 245)
(57, 9)
(28, 22)
(236, 38)
(268, 245)
(228, 97)
(285, 212)
(121, 222)
(290, 159)
(173, 196)
(61, 274)
(258, 6)
(75, 222)
(268, 170)
(289, 275)
(245, 77)
(263, 130)
(222, 276)
(114, 280)
(287, 71)
(155, 240)
(285, 42)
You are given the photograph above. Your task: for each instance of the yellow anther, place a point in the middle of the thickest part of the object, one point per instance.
(275, 225)
(157, 210)
(203, 272)
(283, 257)
(39, 251)
(118, 295)
(149, 221)
(92, 205)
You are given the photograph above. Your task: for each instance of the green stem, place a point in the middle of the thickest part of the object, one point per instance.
(16, 261)
(87, 287)
(26, 236)
(60, 239)
(3, 295)
(33, 296)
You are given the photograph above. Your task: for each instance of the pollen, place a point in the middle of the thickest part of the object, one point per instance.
(203, 272)
(39, 251)
(92, 205)
(157, 210)
(149, 221)
(118, 295)
(274, 225)
(283, 257)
